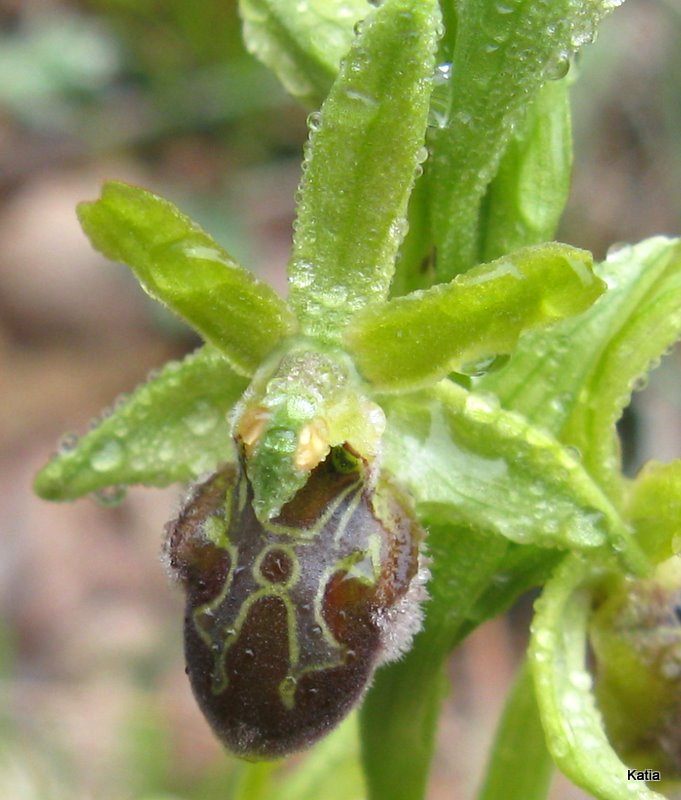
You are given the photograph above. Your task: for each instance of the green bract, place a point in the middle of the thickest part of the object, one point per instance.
(422, 261)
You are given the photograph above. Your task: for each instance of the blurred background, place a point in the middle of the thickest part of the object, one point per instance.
(93, 698)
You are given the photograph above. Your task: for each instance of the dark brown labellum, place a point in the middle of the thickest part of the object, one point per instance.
(286, 622)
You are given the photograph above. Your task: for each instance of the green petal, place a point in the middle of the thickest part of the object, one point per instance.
(414, 340)
(358, 177)
(302, 43)
(181, 266)
(504, 53)
(173, 428)
(465, 459)
(525, 200)
(573, 725)
(576, 378)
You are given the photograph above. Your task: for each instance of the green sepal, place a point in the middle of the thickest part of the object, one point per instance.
(575, 379)
(654, 509)
(172, 428)
(178, 264)
(357, 179)
(524, 202)
(504, 53)
(302, 43)
(417, 339)
(574, 728)
(464, 459)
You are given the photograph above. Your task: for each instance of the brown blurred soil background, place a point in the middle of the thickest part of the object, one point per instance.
(93, 698)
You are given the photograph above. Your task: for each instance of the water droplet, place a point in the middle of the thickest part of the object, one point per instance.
(481, 404)
(581, 680)
(67, 443)
(364, 99)
(358, 27)
(583, 35)
(109, 495)
(575, 452)
(670, 668)
(108, 457)
(484, 365)
(619, 250)
(557, 66)
(544, 639)
(203, 419)
(443, 73)
(640, 383)
(314, 121)
(504, 8)
(464, 118)
(572, 702)
(438, 113)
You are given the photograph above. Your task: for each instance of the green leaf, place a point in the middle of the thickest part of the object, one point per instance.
(414, 340)
(360, 167)
(173, 428)
(181, 266)
(573, 725)
(525, 200)
(520, 767)
(302, 43)
(654, 509)
(575, 379)
(465, 459)
(504, 53)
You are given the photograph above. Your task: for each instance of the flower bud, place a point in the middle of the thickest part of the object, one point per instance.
(636, 639)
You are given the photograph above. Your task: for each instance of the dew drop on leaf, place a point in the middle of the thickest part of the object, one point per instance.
(557, 66)
(438, 114)
(202, 419)
(109, 495)
(314, 121)
(108, 457)
(67, 443)
(484, 364)
(620, 250)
